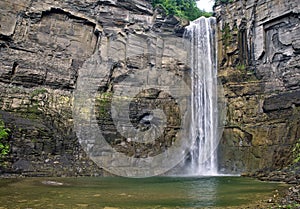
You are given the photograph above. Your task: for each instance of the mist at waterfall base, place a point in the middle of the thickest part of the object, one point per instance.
(205, 120)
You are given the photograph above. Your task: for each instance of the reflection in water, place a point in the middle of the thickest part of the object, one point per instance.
(203, 191)
(158, 192)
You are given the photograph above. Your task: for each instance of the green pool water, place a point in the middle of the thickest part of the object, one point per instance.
(117, 192)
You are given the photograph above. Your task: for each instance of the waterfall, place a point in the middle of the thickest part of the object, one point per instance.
(204, 105)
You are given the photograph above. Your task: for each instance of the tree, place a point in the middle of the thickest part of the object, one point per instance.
(182, 8)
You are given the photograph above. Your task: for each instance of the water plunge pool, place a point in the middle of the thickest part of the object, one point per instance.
(117, 192)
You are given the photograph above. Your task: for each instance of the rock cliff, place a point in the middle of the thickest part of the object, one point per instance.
(46, 45)
(260, 69)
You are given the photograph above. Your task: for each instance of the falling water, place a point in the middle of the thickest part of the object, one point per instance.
(203, 61)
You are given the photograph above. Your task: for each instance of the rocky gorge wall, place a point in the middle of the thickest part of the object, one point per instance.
(259, 59)
(46, 45)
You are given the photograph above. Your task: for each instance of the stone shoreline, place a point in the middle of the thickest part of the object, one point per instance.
(288, 198)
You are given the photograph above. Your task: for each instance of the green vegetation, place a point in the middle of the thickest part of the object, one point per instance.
(186, 9)
(4, 133)
(224, 1)
(33, 111)
(296, 152)
(103, 103)
(241, 67)
(226, 34)
(38, 91)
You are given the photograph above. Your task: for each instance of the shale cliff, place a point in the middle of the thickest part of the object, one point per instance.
(46, 45)
(259, 57)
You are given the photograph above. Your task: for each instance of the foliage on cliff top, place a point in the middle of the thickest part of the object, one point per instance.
(223, 1)
(182, 8)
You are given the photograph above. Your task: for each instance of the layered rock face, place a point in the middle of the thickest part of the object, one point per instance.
(46, 45)
(259, 58)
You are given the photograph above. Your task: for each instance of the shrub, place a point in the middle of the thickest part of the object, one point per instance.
(4, 133)
(296, 152)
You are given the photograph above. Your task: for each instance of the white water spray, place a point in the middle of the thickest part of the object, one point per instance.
(203, 61)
